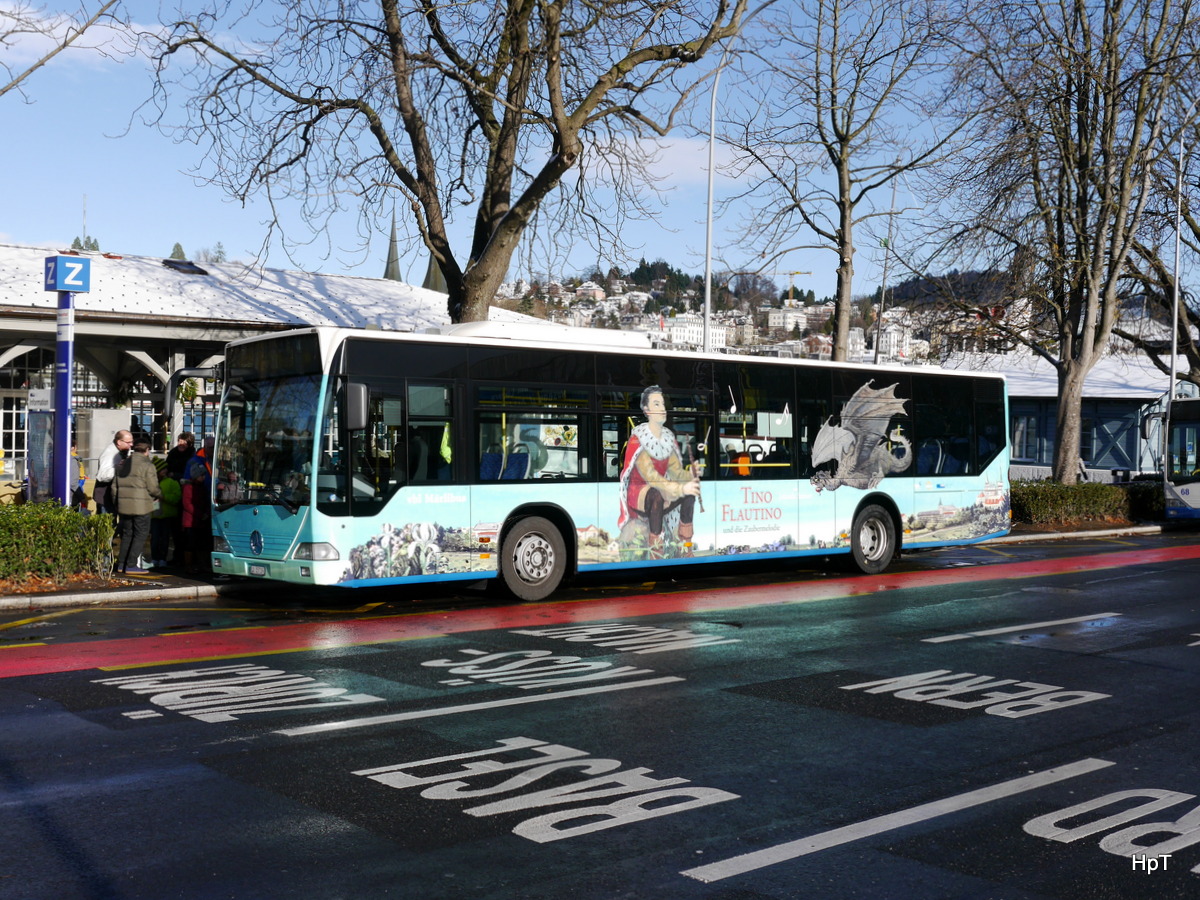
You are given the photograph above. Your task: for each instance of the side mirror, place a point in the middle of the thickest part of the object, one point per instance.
(1146, 420)
(355, 405)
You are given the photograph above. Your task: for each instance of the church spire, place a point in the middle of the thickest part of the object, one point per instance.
(392, 270)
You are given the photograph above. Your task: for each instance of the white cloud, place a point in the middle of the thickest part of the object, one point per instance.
(683, 161)
(30, 33)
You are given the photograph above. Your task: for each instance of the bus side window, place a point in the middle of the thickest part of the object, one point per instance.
(614, 438)
(757, 421)
(430, 424)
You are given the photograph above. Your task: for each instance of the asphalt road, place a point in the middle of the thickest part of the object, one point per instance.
(1011, 721)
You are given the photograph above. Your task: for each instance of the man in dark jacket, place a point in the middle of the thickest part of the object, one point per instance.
(178, 456)
(136, 488)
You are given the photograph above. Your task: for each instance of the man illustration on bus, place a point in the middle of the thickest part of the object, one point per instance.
(657, 489)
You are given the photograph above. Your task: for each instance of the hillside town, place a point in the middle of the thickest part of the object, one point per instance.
(750, 315)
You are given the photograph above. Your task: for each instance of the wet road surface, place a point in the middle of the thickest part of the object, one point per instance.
(998, 721)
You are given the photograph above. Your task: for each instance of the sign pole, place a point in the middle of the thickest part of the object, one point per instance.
(64, 359)
(67, 275)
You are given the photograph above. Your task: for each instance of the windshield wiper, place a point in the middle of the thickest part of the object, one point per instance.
(270, 496)
(273, 495)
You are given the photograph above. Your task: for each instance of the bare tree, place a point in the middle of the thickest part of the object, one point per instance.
(1150, 289)
(484, 105)
(852, 107)
(1076, 93)
(51, 32)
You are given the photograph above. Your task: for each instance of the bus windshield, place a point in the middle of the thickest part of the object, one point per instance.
(1184, 439)
(265, 431)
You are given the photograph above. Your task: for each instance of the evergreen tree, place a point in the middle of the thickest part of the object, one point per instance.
(87, 243)
(177, 252)
(215, 255)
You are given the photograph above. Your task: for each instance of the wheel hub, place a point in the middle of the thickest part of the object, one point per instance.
(533, 558)
(872, 539)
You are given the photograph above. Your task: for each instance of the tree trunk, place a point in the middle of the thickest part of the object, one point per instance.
(1068, 422)
(844, 302)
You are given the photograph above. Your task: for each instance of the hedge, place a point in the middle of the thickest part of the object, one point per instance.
(1048, 502)
(51, 540)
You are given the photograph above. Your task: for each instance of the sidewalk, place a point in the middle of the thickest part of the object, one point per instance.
(171, 587)
(154, 586)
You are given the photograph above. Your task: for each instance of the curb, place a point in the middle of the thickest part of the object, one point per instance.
(193, 591)
(1028, 537)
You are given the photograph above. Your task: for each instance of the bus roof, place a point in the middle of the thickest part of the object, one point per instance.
(550, 336)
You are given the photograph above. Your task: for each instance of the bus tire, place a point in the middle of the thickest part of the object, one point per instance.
(533, 559)
(873, 539)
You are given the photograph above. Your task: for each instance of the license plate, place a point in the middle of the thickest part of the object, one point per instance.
(258, 570)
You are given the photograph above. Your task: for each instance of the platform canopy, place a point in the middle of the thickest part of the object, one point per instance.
(149, 315)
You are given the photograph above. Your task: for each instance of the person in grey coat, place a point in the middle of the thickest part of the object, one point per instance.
(136, 488)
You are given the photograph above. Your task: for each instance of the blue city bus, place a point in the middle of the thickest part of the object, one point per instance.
(532, 454)
(1181, 485)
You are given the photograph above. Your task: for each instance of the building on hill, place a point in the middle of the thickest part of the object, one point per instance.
(589, 290)
(787, 319)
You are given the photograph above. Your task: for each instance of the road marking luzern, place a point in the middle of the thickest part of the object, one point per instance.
(769, 856)
(1011, 628)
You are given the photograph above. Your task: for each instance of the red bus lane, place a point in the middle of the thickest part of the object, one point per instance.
(22, 660)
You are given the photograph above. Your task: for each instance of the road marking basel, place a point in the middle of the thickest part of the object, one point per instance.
(769, 856)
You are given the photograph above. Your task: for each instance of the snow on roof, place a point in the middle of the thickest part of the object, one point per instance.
(1117, 376)
(139, 285)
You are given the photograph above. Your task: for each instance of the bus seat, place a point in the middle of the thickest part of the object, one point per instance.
(958, 458)
(756, 450)
(929, 457)
(490, 465)
(516, 468)
(536, 454)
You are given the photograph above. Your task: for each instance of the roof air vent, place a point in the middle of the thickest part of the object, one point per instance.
(186, 266)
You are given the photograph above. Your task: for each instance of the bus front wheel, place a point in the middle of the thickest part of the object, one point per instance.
(533, 559)
(873, 539)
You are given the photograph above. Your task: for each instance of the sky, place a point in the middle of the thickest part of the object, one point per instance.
(75, 155)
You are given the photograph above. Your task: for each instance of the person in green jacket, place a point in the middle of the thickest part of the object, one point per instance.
(165, 519)
(136, 488)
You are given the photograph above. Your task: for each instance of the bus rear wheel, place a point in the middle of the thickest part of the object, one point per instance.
(873, 539)
(533, 559)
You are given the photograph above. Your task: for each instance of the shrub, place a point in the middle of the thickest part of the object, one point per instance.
(1048, 502)
(53, 541)
(1146, 500)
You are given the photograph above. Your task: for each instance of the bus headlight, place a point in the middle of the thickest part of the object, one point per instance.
(315, 552)
(220, 545)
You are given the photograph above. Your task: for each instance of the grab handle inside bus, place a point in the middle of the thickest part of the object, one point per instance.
(355, 405)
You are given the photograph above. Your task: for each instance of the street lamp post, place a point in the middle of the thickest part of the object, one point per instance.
(708, 225)
(712, 130)
(1175, 289)
(887, 251)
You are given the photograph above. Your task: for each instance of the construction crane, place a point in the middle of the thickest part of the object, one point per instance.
(792, 285)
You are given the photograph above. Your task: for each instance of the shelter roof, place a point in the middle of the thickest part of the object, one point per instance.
(1117, 376)
(229, 292)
